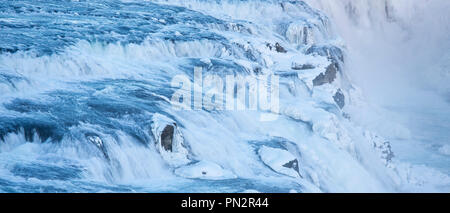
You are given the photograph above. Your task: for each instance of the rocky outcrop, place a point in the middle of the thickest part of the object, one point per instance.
(167, 138)
(339, 98)
(386, 151)
(327, 77)
(293, 164)
(296, 66)
(382, 146)
(277, 47)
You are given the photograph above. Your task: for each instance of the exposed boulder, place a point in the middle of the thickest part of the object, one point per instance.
(169, 140)
(327, 77)
(257, 70)
(296, 66)
(293, 164)
(279, 48)
(339, 98)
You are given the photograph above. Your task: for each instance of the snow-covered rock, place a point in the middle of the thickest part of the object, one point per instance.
(169, 140)
(281, 161)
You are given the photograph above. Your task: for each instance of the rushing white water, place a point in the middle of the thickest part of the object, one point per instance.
(85, 100)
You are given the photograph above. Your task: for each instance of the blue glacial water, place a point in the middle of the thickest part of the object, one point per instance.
(85, 101)
(73, 69)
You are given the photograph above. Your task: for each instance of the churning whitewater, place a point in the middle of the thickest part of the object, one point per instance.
(87, 101)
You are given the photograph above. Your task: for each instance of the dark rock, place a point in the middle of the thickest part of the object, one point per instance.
(279, 48)
(293, 164)
(385, 149)
(167, 137)
(339, 98)
(387, 152)
(328, 77)
(257, 70)
(302, 66)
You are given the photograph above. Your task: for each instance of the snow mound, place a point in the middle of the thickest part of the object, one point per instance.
(281, 161)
